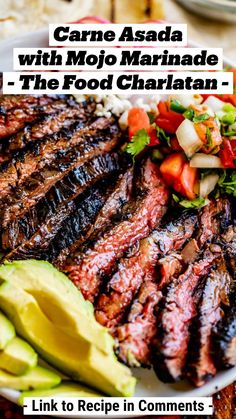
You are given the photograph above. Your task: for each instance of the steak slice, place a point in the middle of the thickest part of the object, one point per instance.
(136, 334)
(224, 339)
(111, 209)
(51, 210)
(51, 124)
(111, 307)
(8, 102)
(16, 118)
(83, 147)
(141, 215)
(170, 347)
(74, 222)
(213, 220)
(214, 298)
(36, 155)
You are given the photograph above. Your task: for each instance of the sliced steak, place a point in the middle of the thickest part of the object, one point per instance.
(15, 119)
(75, 221)
(51, 124)
(213, 219)
(136, 334)
(170, 347)
(43, 220)
(112, 305)
(214, 299)
(8, 102)
(224, 339)
(86, 145)
(111, 209)
(142, 215)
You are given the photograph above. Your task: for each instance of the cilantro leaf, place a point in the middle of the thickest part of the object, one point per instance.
(201, 118)
(162, 136)
(194, 203)
(138, 142)
(227, 182)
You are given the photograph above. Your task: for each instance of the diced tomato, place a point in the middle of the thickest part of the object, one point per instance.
(228, 153)
(137, 119)
(153, 137)
(168, 119)
(175, 144)
(171, 168)
(187, 182)
(178, 174)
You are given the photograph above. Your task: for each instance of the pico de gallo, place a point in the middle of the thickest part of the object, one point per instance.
(194, 140)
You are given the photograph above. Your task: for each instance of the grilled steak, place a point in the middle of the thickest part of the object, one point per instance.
(16, 118)
(224, 339)
(8, 102)
(113, 303)
(142, 214)
(75, 221)
(92, 143)
(179, 309)
(111, 209)
(51, 124)
(214, 298)
(136, 334)
(44, 220)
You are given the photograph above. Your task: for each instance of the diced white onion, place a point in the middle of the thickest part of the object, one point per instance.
(187, 100)
(214, 103)
(206, 161)
(188, 138)
(207, 184)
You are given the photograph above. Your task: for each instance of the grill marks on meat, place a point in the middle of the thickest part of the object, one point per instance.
(142, 216)
(15, 119)
(51, 124)
(214, 298)
(136, 334)
(224, 339)
(93, 143)
(170, 347)
(38, 154)
(112, 305)
(51, 210)
(111, 209)
(80, 213)
(8, 102)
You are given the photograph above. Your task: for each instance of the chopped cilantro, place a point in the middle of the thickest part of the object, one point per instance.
(227, 182)
(139, 141)
(201, 118)
(162, 136)
(187, 204)
(209, 138)
(194, 203)
(229, 133)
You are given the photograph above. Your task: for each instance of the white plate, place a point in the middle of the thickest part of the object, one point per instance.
(148, 384)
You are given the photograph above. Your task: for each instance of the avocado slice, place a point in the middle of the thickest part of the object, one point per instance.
(74, 356)
(17, 357)
(7, 331)
(65, 389)
(54, 292)
(35, 378)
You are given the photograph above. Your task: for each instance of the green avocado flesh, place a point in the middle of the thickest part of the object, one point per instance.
(7, 331)
(59, 299)
(17, 357)
(74, 356)
(66, 389)
(35, 378)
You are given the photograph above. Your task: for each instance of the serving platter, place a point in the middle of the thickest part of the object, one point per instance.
(148, 384)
